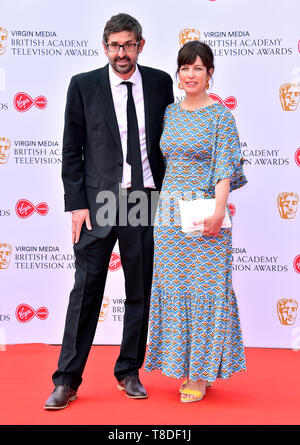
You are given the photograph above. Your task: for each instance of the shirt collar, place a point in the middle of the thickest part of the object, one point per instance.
(115, 80)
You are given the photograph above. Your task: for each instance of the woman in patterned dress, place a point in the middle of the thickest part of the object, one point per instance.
(194, 321)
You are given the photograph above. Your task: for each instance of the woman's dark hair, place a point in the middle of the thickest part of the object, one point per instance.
(122, 22)
(189, 52)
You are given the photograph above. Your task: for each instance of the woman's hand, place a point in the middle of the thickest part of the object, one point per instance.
(212, 224)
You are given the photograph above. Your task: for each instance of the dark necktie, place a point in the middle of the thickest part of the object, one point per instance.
(133, 143)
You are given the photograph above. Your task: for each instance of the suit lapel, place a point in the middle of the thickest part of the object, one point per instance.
(147, 106)
(106, 102)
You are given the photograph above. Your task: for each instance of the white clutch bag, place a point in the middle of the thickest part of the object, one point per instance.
(196, 211)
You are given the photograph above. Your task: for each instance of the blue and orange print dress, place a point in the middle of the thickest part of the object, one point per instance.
(194, 320)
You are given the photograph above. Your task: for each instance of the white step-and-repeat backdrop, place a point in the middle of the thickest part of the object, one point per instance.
(257, 76)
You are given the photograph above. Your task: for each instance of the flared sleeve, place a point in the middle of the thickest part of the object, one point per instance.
(226, 160)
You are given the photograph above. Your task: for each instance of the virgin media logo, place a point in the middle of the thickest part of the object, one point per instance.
(230, 102)
(232, 209)
(23, 102)
(25, 208)
(25, 313)
(297, 263)
(297, 157)
(115, 262)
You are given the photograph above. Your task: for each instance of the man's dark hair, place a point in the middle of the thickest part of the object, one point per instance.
(122, 22)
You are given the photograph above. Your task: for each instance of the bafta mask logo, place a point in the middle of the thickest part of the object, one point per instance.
(104, 309)
(187, 35)
(287, 311)
(287, 204)
(5, 255)
(3, 40)
(289, 96)
(4, 150)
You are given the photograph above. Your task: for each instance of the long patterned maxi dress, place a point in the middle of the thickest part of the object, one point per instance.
(194, 320)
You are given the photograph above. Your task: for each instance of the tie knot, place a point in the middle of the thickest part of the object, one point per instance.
(128, 84)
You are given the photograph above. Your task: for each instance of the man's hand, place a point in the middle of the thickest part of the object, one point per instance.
(78, 218)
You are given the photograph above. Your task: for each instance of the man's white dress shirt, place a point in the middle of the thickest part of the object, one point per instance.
(119, 94)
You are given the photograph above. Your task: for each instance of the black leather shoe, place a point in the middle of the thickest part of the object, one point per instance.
(60, 397)
(133, 387)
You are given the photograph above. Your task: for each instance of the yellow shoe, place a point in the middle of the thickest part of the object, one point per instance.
(198, 395)
(207, 385)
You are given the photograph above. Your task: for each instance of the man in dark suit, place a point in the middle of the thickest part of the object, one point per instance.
(111, 152)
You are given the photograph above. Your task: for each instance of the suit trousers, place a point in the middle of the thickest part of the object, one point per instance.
(92, 256)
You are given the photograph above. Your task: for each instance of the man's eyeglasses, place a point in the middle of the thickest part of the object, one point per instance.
(127, 47)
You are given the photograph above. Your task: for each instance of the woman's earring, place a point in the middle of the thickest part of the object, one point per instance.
(207, 85)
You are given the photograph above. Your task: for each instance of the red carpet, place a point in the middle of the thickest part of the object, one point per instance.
(267, 394)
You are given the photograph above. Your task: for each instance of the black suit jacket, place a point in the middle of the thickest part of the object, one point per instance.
(92, 153)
